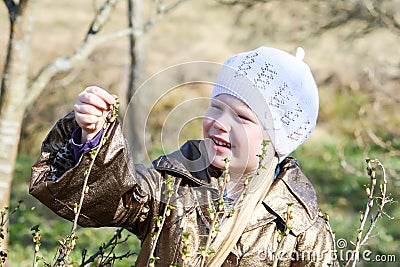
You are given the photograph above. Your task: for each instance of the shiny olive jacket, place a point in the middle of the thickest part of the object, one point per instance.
(126, 195)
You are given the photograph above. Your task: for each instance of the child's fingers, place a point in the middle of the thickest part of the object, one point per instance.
(86, 98)
(87, 122)
(101, 93)
(84, 108)
(90, 108)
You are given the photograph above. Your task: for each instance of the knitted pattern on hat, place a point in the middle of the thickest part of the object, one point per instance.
(279, 88)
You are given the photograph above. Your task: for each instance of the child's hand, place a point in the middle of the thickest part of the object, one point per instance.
(91, 109)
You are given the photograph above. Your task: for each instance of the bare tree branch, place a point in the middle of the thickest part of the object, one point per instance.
(22, 5)
(345, 165)
(111, 245)
(245, 3)
(379, 142)
(386, 19)
(88, 45)
(64, 64)
(161, 11)
(15, 9)
(380, 199)
(10, 4)
(102, 17)
(373, 14)
(134, 21)
(342, 16)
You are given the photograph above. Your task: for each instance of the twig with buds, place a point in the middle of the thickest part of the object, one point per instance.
(4, 218)
(207, 251)
(106, 253)
(160, 220)
(283, 234)
(380, 201)
(68, 244)
(214, 214)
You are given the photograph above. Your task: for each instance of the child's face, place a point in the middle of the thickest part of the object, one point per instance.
(231, 129)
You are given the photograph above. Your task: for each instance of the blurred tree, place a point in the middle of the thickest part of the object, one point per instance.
(12, 97)
(135, 21)
(18, 92)
(373, 13)
(333, 14)
(134, 120)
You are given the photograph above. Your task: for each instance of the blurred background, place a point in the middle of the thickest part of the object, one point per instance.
(351, 46)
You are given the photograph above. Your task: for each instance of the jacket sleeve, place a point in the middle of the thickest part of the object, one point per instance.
(315, 246)
(119, 192)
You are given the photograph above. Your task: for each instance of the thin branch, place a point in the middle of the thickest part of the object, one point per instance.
(347, 15)
(102, 17)
(245, 3)
(160, 13)
(283, 235)
(10, 4)
(377, 86)
(329, 229)
(216, 214)
(373, 137)
(64, 64)
(387, 19)
(68, 79)
(68, 244)
(166, 10)
(111, 243)
(345, 165)
(168, 192)
(382, 200)
(87, 46)
(4, 218)
(22, 6)
(379, 142)
(112, 259)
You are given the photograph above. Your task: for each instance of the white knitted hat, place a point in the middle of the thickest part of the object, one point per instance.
(279, 88)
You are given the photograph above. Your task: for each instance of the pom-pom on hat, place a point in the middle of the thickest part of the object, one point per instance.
(279, 88)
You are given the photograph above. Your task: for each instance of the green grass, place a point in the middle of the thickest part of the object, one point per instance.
(340, 194)
(52, 227)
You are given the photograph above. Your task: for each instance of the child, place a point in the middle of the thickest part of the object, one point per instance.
(233, 199)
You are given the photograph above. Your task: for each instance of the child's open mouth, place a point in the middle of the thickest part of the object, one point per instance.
(221, 143)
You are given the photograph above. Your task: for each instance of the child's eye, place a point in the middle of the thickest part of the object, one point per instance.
(215, 106)
(244, 117)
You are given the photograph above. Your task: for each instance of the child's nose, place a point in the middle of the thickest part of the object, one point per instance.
(222, 125)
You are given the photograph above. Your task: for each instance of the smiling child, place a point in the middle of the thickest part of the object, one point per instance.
(263, 94)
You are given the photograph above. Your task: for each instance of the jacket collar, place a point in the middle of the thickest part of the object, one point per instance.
(293, 187)
(188, 162)
(290, 186)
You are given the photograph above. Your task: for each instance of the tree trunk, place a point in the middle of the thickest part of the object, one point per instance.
(13, 92)
(133, 123)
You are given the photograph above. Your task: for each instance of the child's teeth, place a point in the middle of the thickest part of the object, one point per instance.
(221, 143)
